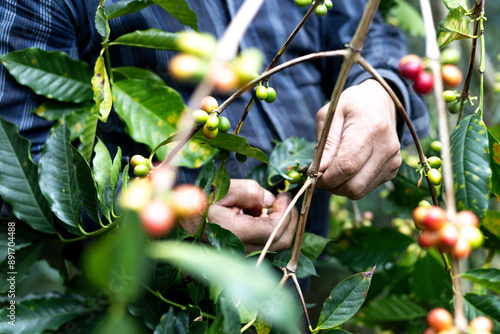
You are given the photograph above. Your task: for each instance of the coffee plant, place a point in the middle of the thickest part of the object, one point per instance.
(93, 245)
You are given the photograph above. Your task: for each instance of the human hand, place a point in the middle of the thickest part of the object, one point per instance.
(239, 212)
(362, 148)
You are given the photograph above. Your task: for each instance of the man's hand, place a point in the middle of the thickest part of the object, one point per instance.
(362, 149)
(239, 212)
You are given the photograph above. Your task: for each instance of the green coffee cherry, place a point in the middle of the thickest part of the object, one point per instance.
(271, 95)
(435, 162)
(200, 116)
(137, 160)
(303, 3)
(212, 122)
(449, 96)
(328, 4)
(295, 176)
(210, 134)
(223, 124)
(454, 107)
(241, 157)
(141, 170)
(321, 10)
(450, 56)
(424, 203)
(436, 146)
(261, 92)
(223, 155)
(435, 176)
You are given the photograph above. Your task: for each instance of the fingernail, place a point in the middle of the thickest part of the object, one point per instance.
(268, 199)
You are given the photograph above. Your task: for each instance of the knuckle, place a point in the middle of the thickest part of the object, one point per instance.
(349, 166)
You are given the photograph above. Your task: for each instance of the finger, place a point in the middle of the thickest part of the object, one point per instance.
(247, 194)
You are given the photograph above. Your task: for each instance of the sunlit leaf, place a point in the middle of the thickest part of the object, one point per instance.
(489, 278)
(101, 23)
(102, 89)
(454, 26)
(222, 182)
(152, 38)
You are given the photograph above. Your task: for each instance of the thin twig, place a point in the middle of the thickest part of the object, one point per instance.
(302, 300)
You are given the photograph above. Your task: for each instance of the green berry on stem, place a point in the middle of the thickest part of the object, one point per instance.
(450, 56)
(321, 10)
(241, 157)
(224, 124)
(435, 176)
(295, 176)
(435, 162)
(449, 96)
(200, 116)
(436, 146)
(212, 122)
(261, 92)
(141, 170)
(454, 107)
(328, 4)
(138, 160)
(210, 134)
(271, 95)
(303, 3)
(209, 103)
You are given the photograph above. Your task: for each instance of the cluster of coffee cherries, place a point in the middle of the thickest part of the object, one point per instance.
(209, 117)
(440, 321)
(434, 174)
(412, 67)
(191, 64)
(458, 238)
(320, 10)
(264, 92)
(158, 205)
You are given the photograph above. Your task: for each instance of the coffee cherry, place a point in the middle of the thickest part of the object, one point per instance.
(418, 215)
(473, 235)
(141, 170)
(435, 176)
(198, 44)
(303, 3)
(321, 10)
(454, 107)
(224, 124)
(435, 162)
(428, 239)
(435, 218)
(185, 67)
(452, 76)
(188, 201)
(295, 176)
(261, 92)
(424, 203)
(450, 56)
(436, 146)
(212, 122)
(138, 160)
(481, 324)
(410, 66)
(200, 116)
(209, 103)
(210, 134)
(223, 155)
(449, 96)
(271, 95)
(225, 80)
(157, 218)
(241, 157)
(448, 236)
(423, 83)
(466, 217)
(462, 248)
(439, 319)
(328, 4)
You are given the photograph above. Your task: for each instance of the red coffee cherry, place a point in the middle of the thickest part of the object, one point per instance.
(466, 217)
(423, 83)
(419, 214)
(462, 248)
(188, 201)
(209, 103)
(481, 324)
(157, 218)
(439, 319)
(452, 76)
(435, 218)
(410, 66)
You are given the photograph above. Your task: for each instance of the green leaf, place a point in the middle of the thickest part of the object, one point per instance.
(288, 153)
(101, 23)
(116, 168)
(118, 260)
(51, 74)
(430, 282)
(471, 165)
(76, 123)
(24, 236)
(86, 186)
(392, 308)
(487, 305)
(336, 331)
(366, 247)
(102, 90)
(37, 315)
(57, 179)
(305, 266)
(125, 7)
(87, 137)
(226, 240)
(345, 300)
(101, 166)
(197, 327)
(313, 245)
(494, 146)
(231, 316)
(171, 324)
(150, 111)
(25, 258)
(454, 26)
(196, 292)
(19, 180)
(53, 110)
(194, 154)
(408, 18)
(151, 38)
(107, 199)
(256, 287)
(125, 73)
(206, 177)
(489, 278)
(492, 222)
(452, 4)
(180, 10)
(222, 183)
